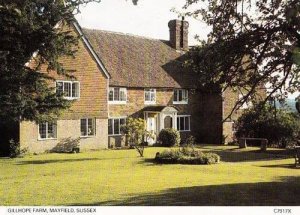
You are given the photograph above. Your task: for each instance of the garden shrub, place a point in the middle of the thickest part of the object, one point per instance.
(169, 137)
(67, 145)
(280, 127)
(187, 156)
(15, 150)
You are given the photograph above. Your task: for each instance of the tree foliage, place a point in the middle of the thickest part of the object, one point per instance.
(136, 133)
(29, 28)
(280, 127)
(252, 44)
(35, 28)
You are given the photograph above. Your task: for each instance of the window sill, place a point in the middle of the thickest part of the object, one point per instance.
(184, 130)
(45, 139)
(150, 103)
(180, 103)
(115, 135)
(70, 98)
(85, 137)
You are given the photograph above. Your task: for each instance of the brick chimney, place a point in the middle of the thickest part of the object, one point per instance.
(179, 34)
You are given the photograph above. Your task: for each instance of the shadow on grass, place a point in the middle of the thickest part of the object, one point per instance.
(285, 192)
(62, 160)
(241, 155)
(287, 166)
(246, 156)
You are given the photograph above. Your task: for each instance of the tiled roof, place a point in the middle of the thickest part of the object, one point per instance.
(134, 61)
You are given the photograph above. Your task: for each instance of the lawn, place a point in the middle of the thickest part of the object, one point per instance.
(120, 177)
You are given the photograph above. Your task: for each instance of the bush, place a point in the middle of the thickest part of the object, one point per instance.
(278, 126)
(15, 150)
(67, 145)
(188, 156)
(169, 137)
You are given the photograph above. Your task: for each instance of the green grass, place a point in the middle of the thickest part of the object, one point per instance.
(120, 177)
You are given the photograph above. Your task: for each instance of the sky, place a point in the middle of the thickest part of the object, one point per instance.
(149, 18)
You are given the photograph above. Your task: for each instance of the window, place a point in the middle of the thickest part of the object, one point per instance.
(183, 123)
(180, 96)
(117, 95)
(87, 127)
(70, 89)
(150, 96)
(114, 125)
(47, 130)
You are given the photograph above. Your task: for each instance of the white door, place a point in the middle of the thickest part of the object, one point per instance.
(151, 127)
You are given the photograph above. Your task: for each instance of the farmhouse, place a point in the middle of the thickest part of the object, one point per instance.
(120, 76)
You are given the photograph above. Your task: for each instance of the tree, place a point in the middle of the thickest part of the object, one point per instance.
(34, 28)
(29, 28)
(297, 104)
(279, 126)
(248, 50)
(136, 134)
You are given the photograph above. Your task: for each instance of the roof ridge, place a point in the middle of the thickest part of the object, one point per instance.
(124, 34)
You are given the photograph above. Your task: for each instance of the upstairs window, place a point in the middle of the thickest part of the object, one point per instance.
(180, 96)
(117, 95)
(183, 123)
(47, 130)
(150, 96)
(87, 127)
(114, 126)
(69, 89)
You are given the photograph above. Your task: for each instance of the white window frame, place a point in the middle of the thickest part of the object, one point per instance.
(70, 82)
(151, 91)
(117, 101)
(176, 100)
(87, 126)
(113, 125)
(178, 123)
(47, 132)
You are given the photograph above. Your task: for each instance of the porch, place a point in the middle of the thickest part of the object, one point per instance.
(158, 118)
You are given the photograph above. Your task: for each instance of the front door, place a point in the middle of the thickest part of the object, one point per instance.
(152, 127)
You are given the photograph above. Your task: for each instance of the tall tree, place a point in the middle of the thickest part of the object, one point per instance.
(252, 44)
(29, 28)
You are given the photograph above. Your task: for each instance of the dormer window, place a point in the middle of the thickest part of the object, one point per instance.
(69, 89)
(150, 96)
(180, 96)
(117, 95)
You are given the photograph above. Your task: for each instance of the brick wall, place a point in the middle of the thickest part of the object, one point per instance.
(93, 85)
(91, 104)
(205, 111)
